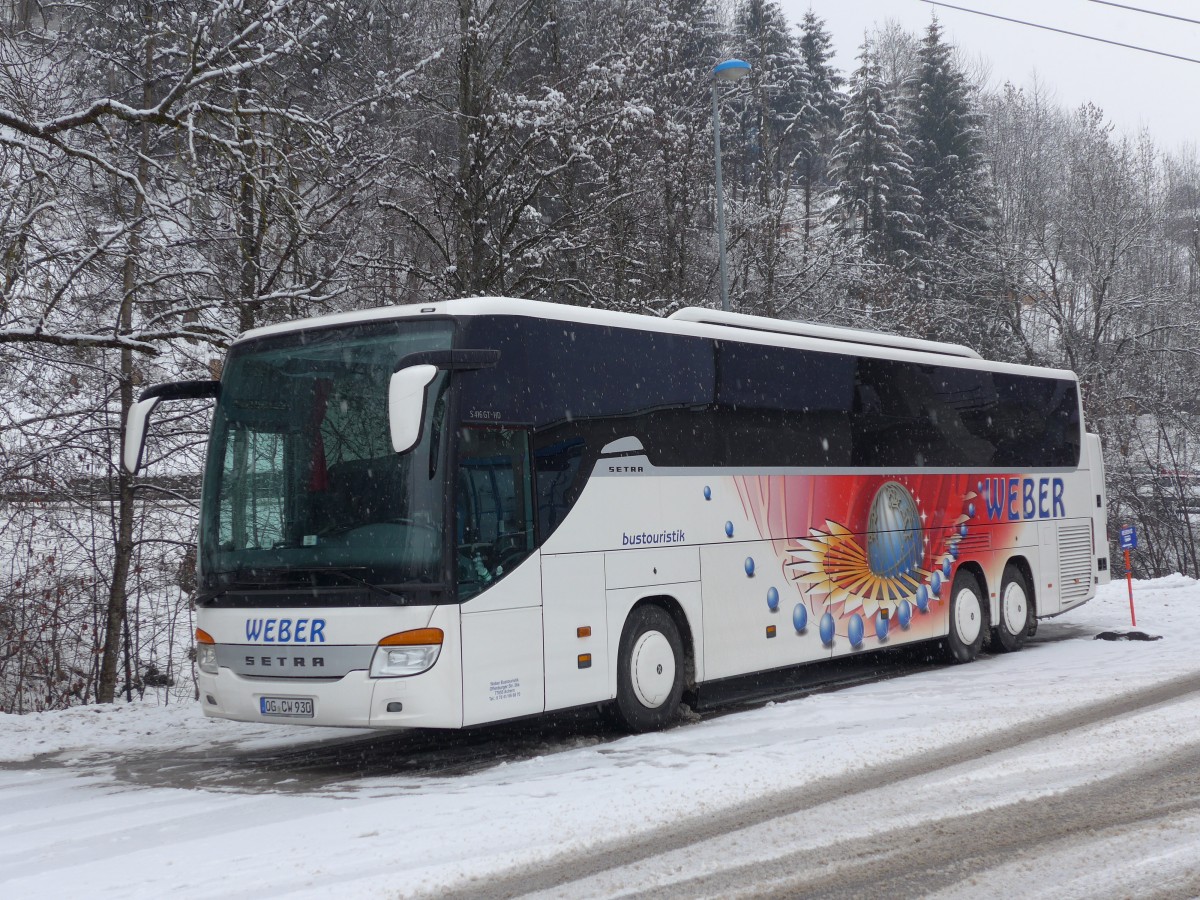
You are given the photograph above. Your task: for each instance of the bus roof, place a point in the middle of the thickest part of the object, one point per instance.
(823, 332)
(694, 321)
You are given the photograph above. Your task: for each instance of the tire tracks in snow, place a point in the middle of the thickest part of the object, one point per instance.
(962, 850)
(575, 868)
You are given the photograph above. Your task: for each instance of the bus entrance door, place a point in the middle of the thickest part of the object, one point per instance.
(499, 579)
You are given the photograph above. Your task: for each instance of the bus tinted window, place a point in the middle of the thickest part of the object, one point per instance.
(580, 387)
(566, 371)
(697, 403)
(1040, 418)
(910, 415)
(494, 521)
(782, 407)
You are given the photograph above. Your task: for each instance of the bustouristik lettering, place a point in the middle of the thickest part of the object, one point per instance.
(1014, 499)
(285, 631)
(644, 539)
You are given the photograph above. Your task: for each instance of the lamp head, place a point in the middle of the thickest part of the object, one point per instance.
(731, 70)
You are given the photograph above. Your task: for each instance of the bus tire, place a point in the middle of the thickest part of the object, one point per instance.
(649, 670)
(968, 618)
(1014, 612)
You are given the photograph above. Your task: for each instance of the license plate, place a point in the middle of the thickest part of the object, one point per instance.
(295, 707)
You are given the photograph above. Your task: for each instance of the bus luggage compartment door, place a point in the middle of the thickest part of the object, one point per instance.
(577, 641)
(755, 616)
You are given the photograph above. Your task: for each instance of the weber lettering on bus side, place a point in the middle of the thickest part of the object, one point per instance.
(1018, 499)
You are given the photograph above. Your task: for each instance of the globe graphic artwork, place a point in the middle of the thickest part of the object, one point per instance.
(922, 598)
(894, 545)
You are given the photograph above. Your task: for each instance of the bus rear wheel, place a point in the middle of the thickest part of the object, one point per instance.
(968, 618)
(649, 670)
(1015, 612)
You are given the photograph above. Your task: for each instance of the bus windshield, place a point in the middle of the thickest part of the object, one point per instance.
(302, 480)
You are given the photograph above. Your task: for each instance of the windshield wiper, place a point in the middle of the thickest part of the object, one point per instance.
(280, 579)
(345, 573)
(338, 530)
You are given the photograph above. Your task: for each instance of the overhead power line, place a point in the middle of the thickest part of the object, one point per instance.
(1148, 12)
(1086, 37)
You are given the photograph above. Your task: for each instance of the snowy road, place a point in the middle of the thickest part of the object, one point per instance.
(1065, 770)
(1008, 804)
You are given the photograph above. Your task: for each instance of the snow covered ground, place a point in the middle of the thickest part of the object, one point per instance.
(73, 822)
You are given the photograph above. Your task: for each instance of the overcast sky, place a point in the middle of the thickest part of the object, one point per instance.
(1134, 89)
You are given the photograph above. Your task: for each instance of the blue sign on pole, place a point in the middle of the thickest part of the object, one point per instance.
(1128, 537)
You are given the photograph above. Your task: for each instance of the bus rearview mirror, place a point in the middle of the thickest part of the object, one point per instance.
(135, 433)
(406, 404)
(139, 413)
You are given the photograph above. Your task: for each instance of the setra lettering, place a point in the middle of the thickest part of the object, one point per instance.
(295, 662)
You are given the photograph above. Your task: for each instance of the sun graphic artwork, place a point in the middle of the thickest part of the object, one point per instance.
(874, 577)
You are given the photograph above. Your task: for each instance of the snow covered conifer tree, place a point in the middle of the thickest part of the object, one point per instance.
(663, 189)
(821, 118)
(779, 84)
(876, 199)
(771, 143)
(946, 147)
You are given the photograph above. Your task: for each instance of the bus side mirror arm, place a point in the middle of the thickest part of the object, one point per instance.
(406, 390)
(451, 360)
(139, 414)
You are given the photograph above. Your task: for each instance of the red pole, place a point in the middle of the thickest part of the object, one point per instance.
(1129, 581)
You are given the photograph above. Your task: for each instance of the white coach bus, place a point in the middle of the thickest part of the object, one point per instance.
(476, 510)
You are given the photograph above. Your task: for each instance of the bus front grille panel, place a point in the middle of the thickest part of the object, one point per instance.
(294, 661)
(1074, 561)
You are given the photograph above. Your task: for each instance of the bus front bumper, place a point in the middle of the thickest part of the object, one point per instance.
(353, 701)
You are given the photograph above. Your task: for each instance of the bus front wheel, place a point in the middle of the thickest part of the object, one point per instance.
(1015, 612)
(968, 618)
(649, 670)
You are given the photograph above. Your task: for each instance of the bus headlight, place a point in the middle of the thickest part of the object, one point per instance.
(206, 652)
(407, 653)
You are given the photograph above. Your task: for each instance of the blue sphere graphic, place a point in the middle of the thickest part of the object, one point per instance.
(946, 569)
(894, 546)
(881, 628)
(922, 598)
(935, 584)
(750, 566)
(827, 629)
(971, 510)
(904, 613)
(962, 530)
(728, 529)
(772, 599)
(954, 554)
(854, 630)
(800, 617)
(707, 492)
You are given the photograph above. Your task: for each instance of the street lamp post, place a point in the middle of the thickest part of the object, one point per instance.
(730, 70)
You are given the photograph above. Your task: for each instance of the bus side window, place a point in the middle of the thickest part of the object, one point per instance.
(557, 467)
(494, 505)
(891, 418)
